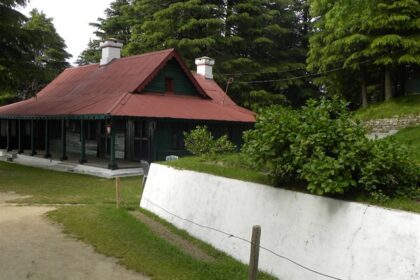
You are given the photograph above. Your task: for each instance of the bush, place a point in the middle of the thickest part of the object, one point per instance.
(200, 142)
(321, 145)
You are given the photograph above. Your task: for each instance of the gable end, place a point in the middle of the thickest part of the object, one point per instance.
(172, 79)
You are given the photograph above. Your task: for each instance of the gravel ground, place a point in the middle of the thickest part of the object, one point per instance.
(32, 247)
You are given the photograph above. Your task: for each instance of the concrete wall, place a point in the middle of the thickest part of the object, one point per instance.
(343, 239)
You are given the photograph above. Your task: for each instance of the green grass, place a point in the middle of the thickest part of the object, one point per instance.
(410, 137)
(226, 166)
(115, 232)
(403, 106)
(223, 167)
(52, 187)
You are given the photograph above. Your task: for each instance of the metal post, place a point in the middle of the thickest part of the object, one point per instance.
(82, 143)
(255, 252)
(112, 163)
(9, 132)
(63, 140)
(20, 135)
(47, 141)
(33, 149)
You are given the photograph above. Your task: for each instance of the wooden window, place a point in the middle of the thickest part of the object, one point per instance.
(169, 85)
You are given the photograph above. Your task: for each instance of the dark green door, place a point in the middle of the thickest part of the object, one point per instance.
(141, 142)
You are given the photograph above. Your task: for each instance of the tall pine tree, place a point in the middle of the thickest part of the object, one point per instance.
(31, 52)
(372, 41)
(48, 53)
(251, 40)
(118, 22)
(192, 27)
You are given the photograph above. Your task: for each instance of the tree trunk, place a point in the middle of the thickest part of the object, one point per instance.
(388, 84)
(364, 95)
(403, 81)
(364, 89)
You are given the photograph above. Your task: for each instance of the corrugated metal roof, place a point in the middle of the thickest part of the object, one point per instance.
(111, 90)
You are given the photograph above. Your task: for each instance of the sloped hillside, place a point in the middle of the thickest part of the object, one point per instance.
(403, 106)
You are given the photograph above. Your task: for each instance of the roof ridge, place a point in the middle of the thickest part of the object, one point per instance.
(123, 58)
(147, 54)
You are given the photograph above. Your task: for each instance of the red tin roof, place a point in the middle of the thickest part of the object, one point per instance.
(113, 90)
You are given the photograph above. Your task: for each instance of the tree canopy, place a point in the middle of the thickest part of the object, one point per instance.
(266, 51)
(376, 43)
(32, 53)
(251, 40)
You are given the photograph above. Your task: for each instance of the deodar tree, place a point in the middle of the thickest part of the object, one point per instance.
(251, 40)
(31, 52)
(364, 46)
(47, 51)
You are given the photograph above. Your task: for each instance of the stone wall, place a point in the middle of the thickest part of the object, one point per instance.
(391, 124)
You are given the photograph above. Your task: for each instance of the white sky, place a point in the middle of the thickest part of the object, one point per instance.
(71, 19)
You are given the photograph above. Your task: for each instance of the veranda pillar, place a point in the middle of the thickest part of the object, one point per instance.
(82, 143)
(20, 137)
(112, 163)
(47, 141)
(33, 149)
(9, 135)
(63, 140)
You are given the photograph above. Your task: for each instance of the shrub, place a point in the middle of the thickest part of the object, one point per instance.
(322, 145)
(200, 142)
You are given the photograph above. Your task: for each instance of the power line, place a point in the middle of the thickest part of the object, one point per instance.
(261, 72)
(297, 77)
(274, 71)
(243, 239)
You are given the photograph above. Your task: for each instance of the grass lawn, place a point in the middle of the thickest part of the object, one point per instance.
(115, 232)
(226, 166)
(49, 187)
(410, 137)
(403, 106)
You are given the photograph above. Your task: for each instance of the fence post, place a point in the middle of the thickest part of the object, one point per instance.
(255, 252)
(117, 191)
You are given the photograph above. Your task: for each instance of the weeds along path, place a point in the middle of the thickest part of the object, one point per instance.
(32, 247)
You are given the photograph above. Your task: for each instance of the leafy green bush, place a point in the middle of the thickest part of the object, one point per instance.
(200, 142)
(321, 145)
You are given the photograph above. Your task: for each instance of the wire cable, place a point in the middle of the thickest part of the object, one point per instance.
(297, 77)
(303, 76)
(242, 239)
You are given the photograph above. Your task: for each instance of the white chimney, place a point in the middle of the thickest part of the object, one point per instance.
(111, 49)
(205, 66)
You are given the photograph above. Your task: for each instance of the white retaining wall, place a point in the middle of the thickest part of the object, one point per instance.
(343, 239)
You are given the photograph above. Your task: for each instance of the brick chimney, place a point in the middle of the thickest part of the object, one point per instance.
(111, 49)
(205, 66)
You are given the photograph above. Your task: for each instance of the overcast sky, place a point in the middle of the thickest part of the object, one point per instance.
(71, 19)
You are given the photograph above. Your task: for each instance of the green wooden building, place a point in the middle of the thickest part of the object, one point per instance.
(132, 108)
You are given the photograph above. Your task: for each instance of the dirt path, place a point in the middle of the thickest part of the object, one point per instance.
(184, 245)
(31, 247)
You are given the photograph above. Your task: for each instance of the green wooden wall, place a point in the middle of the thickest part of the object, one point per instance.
(413, 86)
(182, 84)
(168, 135)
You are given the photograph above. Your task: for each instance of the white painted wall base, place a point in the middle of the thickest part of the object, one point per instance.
(342, 239)
(72, 167)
